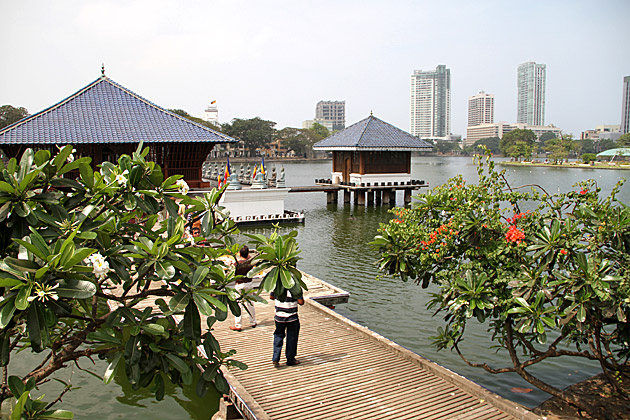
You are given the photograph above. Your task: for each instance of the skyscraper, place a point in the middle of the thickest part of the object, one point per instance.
(531, 93)
(625, 107)
(480, 109)
(431, 102)
(333, 112)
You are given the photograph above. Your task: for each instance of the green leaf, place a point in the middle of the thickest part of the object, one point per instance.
(130, 201)
(581, 313)
(164, 270)
(76, 289)
(177, 363)
(22, 265)
(37, 328)
(111, 368)
(192, 321)
(21, 301)
(16, 414)
(179, 302)
(6, 314)
(5, 349)
(16, 386)
(56, 414)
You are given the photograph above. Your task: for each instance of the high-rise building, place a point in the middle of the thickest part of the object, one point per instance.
(531, 93)
(625, 107)
(431, 102)
(481, 109)
(333, 112)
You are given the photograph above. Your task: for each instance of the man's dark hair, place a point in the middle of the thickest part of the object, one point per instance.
(244, 251)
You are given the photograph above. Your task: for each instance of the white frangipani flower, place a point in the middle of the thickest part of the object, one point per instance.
(100, 267)
(121, 179)
(182, 186)
(44, 292)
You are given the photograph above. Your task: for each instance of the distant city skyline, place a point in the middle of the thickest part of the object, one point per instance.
(183, 55)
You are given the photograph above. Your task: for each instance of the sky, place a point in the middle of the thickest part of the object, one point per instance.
(275, 59)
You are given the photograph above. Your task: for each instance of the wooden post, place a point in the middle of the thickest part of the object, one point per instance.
(385, 197)
(360, 194)
(331, 197)
(346, 195)
(370, 197)
(392, 197)
(377, 197)
(407, 195)
(356, 196)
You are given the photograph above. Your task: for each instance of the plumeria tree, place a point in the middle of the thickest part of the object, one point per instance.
(102, 265)
(547, 274)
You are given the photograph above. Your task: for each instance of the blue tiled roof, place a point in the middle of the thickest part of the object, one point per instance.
(372, 134)
(106, 112)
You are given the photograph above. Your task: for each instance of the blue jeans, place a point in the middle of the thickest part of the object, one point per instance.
(291, 330)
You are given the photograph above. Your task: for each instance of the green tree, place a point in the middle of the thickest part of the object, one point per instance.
(624, 140)
(586, 146)
(10, 114)
(320, 131)
(445, 147)
(518, 143)
(606, 144)
(298, 140)
(491, 143)
(255, 133)
(103, 266)
(547, 135)
(547, 283)
(559, 149)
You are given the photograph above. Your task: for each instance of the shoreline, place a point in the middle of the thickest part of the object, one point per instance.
(570, 165)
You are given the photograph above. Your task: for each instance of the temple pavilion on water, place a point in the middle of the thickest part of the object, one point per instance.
(371, 152)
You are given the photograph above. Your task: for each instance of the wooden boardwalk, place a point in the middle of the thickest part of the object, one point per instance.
(347, 372)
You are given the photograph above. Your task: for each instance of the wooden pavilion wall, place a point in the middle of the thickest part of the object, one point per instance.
(174, 158)
(373, 162)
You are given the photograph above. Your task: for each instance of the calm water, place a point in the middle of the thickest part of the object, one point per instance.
(334, 248)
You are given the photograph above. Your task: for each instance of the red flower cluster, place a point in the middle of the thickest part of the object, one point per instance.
(517, 216)
(442, 234)
(514, 234)
(583, 191)
(563, 252)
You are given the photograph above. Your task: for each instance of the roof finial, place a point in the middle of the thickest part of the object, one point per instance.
(371, 115)
(103, 69)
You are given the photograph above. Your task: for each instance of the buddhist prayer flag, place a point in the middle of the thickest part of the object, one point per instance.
(213, 102)
(228, 169)
(255, 169)
(262, 166)
(219, 179)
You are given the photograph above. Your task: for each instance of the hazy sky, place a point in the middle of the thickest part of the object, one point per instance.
(277, 59)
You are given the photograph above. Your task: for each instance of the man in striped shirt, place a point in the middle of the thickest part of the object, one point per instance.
(287, 324)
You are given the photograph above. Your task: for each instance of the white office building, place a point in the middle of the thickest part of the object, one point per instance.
(431, 103)
(481, 109)
(531, 93)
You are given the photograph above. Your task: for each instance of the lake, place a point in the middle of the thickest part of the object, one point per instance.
(334, 243)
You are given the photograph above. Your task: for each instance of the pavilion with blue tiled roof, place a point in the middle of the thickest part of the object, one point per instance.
(371, 151)
(105, 120)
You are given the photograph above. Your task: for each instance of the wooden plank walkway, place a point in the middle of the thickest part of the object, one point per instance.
(347, 372)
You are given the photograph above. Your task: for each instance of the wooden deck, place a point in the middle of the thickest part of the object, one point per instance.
(347, 372)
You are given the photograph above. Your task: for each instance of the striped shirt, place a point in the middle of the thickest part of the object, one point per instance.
(286, 311)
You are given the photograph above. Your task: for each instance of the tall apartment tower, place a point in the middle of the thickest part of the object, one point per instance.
(531, 93)
(431, 102)
(333, 112)
(481, 109)
(625, 107)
